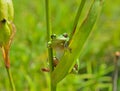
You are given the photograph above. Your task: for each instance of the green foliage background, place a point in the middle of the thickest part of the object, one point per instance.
(29, 53)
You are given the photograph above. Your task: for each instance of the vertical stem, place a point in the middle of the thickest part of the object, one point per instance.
(115, 74)
(50, 50)
(11, 79)
(77, 17)
(53, 87)
(5, 51)
(48, 20)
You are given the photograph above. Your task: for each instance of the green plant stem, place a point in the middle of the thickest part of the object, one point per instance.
(11, 79)
(48, 20)
(50, 50)
(77, 17)
(49, 31)
(116, 70)
(53, 87)
(5, 51)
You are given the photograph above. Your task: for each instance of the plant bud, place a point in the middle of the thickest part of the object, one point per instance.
(5, 33)
(6, 18)
(6, 10)
(10, 10)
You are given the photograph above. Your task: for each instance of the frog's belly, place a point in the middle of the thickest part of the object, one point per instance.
(59, 52)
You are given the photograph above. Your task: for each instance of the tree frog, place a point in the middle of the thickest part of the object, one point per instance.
(59, 44)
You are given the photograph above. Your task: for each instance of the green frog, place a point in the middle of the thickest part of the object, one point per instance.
(60, 45)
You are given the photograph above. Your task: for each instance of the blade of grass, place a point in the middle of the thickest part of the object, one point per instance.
(76, 44)
(77, 17)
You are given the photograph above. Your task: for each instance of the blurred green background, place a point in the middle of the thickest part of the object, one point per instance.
(29, 51)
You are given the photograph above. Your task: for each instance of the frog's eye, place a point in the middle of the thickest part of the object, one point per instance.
(65, 35)
(3, 21)
(53, 36)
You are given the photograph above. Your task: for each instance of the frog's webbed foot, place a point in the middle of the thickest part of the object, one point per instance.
(55, 61)
(45, 69)
(74, 69)
(49, 44)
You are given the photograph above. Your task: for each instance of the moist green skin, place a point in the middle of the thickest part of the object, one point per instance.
(60, 41)
(60, 45)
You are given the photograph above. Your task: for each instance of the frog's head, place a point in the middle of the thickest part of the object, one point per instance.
(63, 36)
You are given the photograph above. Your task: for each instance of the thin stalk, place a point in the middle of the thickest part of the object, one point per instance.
(77, 17)
(5, 51)
(50, 50)
(53, 87)
(48, 20)
(11, 79)
(115, 74)
(49, 31)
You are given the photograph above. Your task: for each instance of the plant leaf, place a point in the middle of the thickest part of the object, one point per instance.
(77, 42)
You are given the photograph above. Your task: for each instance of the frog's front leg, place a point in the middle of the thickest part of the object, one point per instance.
(55, 63)
(49, 44)
(66, 46)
